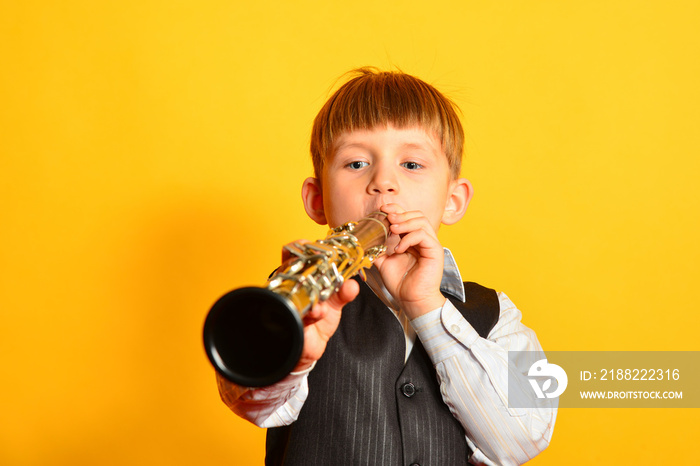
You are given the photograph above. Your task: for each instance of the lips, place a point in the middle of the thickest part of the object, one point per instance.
(376, 208)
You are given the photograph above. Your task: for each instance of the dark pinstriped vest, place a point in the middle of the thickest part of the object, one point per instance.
(366, 407)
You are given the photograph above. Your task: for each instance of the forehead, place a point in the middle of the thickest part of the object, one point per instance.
(388, 137)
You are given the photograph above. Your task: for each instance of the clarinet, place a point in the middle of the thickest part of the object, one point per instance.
(254, 336)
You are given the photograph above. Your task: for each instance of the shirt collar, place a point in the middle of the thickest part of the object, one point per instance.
(451, 279)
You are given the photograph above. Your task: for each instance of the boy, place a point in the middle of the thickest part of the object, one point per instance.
(410, 367)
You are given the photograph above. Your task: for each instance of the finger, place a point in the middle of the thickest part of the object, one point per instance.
(413, 224)
(316, 313)
(391, 242)
(379, 260)
(402, 216)
(425, 244)
(391, 208)
(296, 245)
(347, 292)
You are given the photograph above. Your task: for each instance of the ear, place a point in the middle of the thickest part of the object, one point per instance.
(312, 195)
(458, 198)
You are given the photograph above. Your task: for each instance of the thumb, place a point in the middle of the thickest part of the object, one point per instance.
(348, 291)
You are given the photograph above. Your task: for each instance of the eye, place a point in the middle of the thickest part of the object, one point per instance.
(412, 165)
(357, 164)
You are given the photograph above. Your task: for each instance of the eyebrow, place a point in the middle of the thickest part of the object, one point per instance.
(348, 144)
(416, 145)
(406, 145)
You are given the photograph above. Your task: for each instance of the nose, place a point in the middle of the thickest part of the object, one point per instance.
(383, 181)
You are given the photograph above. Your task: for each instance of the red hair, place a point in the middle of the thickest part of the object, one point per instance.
(378, 98)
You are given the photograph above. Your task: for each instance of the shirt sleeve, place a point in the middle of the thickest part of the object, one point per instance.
(273, 406)
(473, 375)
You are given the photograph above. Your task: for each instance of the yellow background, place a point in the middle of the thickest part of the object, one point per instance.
(151, 158)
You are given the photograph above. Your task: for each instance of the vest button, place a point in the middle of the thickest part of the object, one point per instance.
(415, 464)
(408, 389)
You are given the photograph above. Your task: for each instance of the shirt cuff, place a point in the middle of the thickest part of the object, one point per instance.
(305, 371)
(290, 382)
(444, 332)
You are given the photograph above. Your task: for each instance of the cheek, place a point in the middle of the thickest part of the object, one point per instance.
(341, 209)
(432, 207)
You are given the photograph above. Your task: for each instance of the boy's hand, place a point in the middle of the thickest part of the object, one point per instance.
(412, 267)
(321, 322)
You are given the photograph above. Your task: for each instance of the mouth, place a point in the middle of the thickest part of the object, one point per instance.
(371, 211)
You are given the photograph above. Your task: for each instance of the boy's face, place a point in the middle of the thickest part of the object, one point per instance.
(370, 168)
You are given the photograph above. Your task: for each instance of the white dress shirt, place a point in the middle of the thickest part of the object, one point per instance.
(472, 372)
